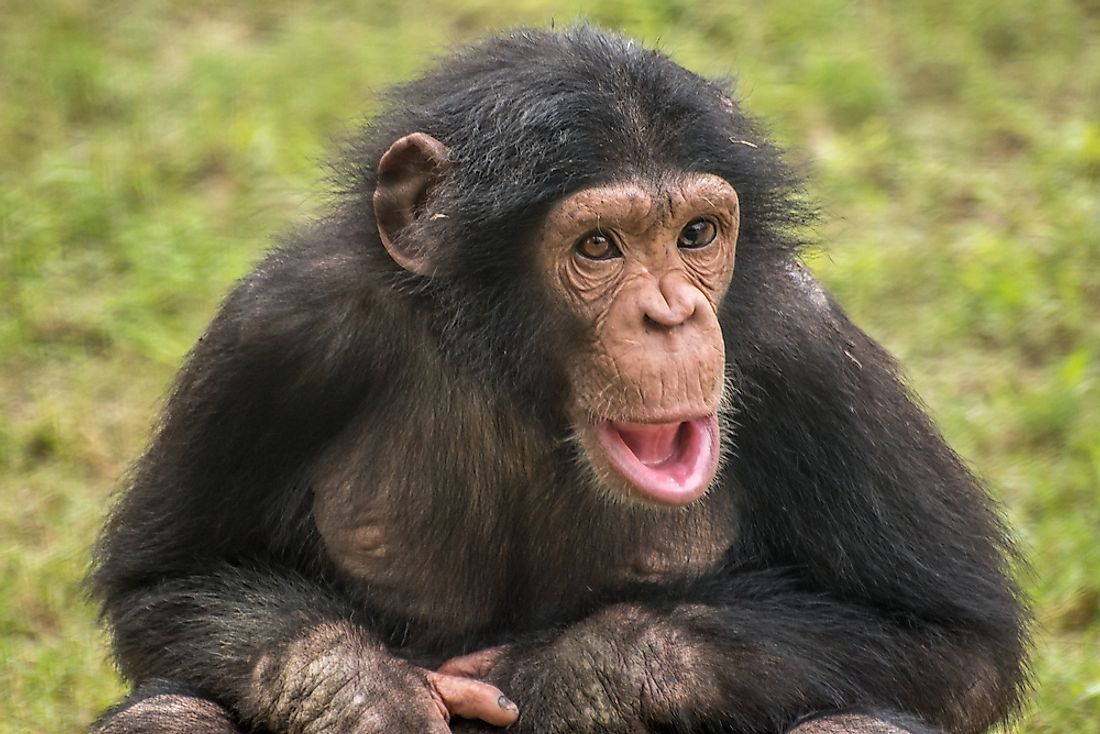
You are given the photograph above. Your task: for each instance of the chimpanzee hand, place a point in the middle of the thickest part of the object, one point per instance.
(621, 670)
(336, 680)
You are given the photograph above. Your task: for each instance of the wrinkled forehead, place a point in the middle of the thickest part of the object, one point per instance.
(637, 204)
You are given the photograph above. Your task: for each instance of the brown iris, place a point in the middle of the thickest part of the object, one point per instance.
(698, 233)
(597, 246)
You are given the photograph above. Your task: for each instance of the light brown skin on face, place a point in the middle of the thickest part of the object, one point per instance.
(656, 351)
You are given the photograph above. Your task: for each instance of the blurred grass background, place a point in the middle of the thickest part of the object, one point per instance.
(149, 151)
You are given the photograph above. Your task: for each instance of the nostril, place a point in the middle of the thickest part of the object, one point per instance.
(667, 313)
(659, 314)
(669, 316)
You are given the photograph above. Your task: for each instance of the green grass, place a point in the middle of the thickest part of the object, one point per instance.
(149, 150)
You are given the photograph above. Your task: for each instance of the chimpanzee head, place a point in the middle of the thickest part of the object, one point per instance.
(569, 208)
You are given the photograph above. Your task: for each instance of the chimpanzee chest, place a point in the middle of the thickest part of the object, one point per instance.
(465, 573)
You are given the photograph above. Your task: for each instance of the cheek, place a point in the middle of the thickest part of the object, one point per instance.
(586, 289)
(712, 271)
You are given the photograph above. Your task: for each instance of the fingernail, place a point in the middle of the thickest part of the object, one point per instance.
(506, 703)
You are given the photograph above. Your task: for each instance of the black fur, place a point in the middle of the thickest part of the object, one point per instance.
(869, 571)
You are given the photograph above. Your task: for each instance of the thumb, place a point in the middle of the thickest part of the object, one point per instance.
(472, 699)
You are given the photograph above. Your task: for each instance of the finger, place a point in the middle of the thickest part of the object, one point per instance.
(472, 699)
(474, 665)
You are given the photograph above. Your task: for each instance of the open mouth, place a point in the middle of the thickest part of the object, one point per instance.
(668, 463)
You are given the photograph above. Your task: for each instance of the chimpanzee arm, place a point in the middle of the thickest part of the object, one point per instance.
(210, 571)
(274, 648)
(285, 654)
(754, 653)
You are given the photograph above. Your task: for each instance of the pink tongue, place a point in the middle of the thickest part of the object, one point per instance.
(668, 463)
(652, 444)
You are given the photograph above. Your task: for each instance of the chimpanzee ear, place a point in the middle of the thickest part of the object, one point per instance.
(406, 173)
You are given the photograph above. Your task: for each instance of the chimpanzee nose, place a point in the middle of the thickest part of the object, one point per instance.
(672, 301)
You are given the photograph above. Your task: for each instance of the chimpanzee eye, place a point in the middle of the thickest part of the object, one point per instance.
(698, 233)
(597, 246)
